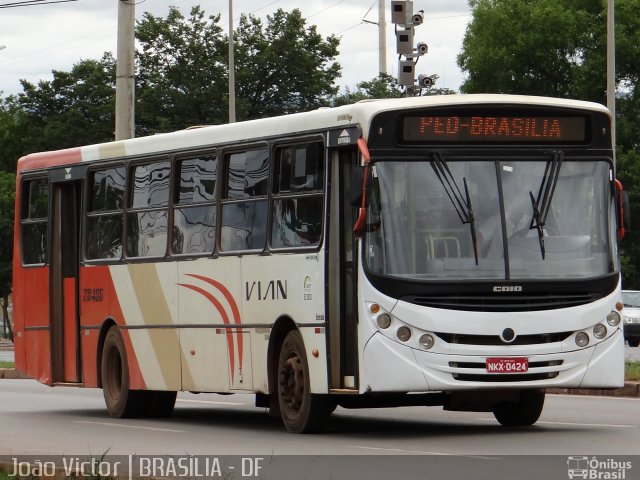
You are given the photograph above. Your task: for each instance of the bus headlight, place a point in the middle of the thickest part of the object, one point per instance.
(582, 339)
(384, 320)
(426, 341)
(403, 334)
(599, 331)
(613, 318)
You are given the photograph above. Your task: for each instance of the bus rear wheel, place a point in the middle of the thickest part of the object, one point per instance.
(121, 401)
(301, 411)
(522, 412)
(160, 403)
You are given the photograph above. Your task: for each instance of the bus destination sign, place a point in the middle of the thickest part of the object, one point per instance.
(483, 128)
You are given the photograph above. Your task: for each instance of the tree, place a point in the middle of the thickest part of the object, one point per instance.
(182, 72)
(534, 47)
(284, 66)
(382, 86)
(628, 172)
(73, 109)
(7, 197)
(11, 144)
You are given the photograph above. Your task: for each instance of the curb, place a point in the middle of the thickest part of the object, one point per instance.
(11, 374)
(630, 389)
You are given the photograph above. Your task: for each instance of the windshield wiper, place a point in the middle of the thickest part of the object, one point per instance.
(461, 204)
(542, 203)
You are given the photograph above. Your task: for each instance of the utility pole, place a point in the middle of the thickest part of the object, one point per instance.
(611, 69)
(125, 70)
(232, 73)
(382, 37)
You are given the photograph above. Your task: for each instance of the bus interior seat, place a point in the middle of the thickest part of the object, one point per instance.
(442, 234)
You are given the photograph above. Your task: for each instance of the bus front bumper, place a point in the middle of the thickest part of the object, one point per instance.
(389, 366)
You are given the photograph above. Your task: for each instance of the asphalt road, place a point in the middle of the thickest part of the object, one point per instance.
(38, 420)
(402, 443)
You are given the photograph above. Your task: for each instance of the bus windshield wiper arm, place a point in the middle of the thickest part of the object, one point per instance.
(542, 203)
(461, 203)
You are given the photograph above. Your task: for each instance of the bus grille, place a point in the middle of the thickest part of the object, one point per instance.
(483, 376)
(495, 303)
(463, 339)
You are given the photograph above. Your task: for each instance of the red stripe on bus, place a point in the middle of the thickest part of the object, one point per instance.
(225, 319)
(234, 308)
(50, 159)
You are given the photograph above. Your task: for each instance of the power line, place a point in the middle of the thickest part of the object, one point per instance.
(325, 9)
(33, 3)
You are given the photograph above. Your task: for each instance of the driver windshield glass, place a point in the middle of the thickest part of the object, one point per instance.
(418, 220)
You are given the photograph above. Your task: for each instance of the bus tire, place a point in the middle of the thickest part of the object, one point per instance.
(120, 400)
(524, 412)
(301, 411)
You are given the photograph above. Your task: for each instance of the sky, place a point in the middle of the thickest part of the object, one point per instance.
(42, 38)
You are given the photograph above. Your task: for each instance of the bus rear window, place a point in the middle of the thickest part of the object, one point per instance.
(33, 221)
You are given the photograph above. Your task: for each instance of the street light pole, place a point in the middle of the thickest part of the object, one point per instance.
(611, 69)
(125, 72)
(232, 74)
(382, 37)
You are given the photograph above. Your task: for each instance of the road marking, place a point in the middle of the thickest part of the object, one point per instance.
(592, 397)
(589, 424)
(107, 424)
(573, 424)
(421, 452)
(210, 402)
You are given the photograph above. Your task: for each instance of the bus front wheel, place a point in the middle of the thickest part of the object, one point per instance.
(301, 411)
(522, 412)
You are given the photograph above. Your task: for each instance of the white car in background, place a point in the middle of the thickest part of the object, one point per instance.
(631, 316)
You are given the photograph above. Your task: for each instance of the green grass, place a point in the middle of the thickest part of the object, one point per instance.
(7, 365)
(5, 476)
(632, 371)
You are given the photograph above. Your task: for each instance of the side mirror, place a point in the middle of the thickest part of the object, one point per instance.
(623, 210)
(358, 187)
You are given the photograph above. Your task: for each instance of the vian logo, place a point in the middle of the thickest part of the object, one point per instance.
(507, 288)
(271, 290)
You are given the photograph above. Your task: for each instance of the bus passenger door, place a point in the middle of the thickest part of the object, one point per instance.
(341, 305)
(65, 315)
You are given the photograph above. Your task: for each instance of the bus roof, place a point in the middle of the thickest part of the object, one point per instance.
(359, 113)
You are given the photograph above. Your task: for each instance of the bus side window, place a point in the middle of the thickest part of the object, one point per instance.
(244, 201)
(194, 217)
(105, 213)
(147, 218)
(33, 221)
(297, 196)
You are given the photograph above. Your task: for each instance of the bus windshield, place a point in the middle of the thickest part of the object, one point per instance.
(477, 218)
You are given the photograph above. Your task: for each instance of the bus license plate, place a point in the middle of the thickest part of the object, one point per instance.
(508, 365)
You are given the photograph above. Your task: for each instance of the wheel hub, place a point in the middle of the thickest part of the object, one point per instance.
(292, 383)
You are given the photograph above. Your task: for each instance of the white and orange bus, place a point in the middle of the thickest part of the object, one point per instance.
(362, 256)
